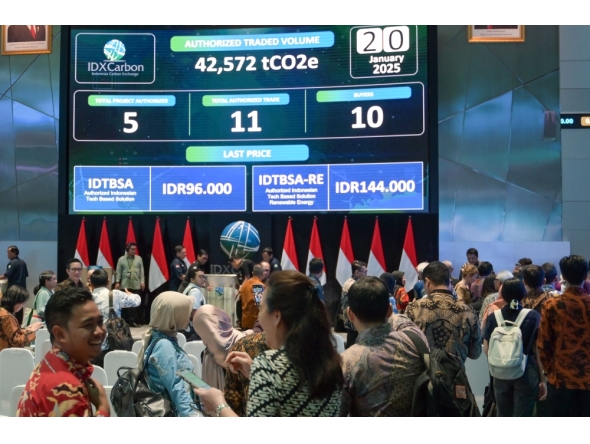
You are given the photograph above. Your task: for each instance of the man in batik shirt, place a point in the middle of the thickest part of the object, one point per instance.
(381, 368)
(448, 324)
(564, 343)
(61, 385)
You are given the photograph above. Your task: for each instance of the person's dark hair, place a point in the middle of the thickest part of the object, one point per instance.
(357, 265)
(485, 268)
(368, 298)
(309, 344)
(14, 249)
(488, 285)
(202, 252)
(533, 276)
(437, 273)
(513, 289)
(178, 249)
(43, 278)
(472, 251)
(129, 245)
(399, 277)
(192, 273)
(390, 281)
(550, 271)
(258, 271)
(71, 261)
(194, 268)
(525, 261)
(99, 278)
(574, 269)
(58, 310)
(268, 250)
(316, 265)
(14, 295)
(234, 258)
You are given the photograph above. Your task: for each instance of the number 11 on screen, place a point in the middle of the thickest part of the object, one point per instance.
(238, 128)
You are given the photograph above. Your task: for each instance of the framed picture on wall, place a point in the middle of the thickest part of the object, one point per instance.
(495, 33)
(26, 39)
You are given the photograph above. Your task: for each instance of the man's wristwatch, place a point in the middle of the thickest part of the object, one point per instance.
(219, 408)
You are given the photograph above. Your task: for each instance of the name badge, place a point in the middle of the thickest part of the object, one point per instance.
(128, 274)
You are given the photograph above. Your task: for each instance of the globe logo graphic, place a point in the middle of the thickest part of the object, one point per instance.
(240, 239)
(114, 50)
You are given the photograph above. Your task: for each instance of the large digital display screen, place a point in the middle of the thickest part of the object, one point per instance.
(207, 119)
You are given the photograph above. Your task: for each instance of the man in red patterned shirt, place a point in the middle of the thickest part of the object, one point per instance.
(61, 385)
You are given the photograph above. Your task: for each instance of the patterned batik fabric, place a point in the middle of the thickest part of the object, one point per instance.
(56, 388)
(489, 299)
(380, 371)
(11, 335)
(236, 384)
(448, 324)
(277, 390)
(535, 299)
(564, 339)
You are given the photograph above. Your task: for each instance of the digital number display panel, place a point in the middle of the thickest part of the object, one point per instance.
(306, 118)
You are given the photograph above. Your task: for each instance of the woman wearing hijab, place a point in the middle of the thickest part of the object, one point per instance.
(170, 313)
(214, 327)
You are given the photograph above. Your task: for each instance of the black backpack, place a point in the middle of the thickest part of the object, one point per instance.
(118, 332)
(132, 397)
(443, 388)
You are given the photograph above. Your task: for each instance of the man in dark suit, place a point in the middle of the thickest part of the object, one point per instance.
(26, 33)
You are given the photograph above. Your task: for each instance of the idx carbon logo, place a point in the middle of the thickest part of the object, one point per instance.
(114, 50)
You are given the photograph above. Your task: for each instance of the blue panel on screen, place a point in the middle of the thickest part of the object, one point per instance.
(290, 188)
(371, 187)
(123, 189)
(199, 188)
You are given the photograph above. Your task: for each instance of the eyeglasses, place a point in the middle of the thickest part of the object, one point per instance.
(76, 270)
(202, 277)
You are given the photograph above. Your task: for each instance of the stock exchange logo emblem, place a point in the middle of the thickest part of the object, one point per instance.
(114, 50)
(240, 239)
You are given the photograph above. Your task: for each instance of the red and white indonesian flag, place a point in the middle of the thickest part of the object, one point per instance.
(345, 256)
(105, 258)
(315, 250)
(289, 257)
(409, 263)
(82, 246)
(376, 263)
(158, 266)
(187, 242)
(131, 236)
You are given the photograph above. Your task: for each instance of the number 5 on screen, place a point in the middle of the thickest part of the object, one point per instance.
(127, 119)
(389, 39)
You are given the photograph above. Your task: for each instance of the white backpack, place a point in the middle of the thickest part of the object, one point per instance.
(506, 358)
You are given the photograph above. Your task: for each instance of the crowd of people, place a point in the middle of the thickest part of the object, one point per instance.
(281, 358)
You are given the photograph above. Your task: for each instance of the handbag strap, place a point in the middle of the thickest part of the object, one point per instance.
(32, 309)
